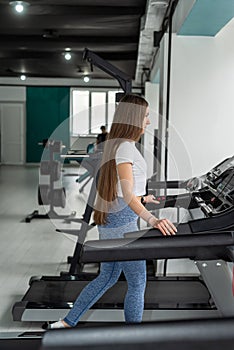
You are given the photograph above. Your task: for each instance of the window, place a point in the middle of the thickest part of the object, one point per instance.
(90, 110)
(98, 111)
(80, 112)
(111, 106)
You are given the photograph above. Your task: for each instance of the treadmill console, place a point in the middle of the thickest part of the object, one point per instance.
(219, 169)
(212, 192)
(216, 193)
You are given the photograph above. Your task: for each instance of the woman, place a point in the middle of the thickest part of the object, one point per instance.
(120, 191)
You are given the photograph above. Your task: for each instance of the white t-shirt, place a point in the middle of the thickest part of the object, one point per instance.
(128, 153)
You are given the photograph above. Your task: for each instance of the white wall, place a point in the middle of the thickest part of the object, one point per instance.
(12, 124)
(12, 94)
(202, 102)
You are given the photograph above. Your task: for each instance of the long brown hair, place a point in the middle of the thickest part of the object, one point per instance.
(127, 125)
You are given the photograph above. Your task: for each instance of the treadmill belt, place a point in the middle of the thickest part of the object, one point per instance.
(169, 291)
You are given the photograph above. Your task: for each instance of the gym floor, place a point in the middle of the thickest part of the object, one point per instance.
(36, 249)
(31, 249)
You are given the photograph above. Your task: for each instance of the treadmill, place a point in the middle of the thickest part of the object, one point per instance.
(209, 334)
(208, 241)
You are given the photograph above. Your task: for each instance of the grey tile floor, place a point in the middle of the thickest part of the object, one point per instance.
(30, 249)
(36, 249)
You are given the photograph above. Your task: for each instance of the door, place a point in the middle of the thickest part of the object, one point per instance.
(12, 133)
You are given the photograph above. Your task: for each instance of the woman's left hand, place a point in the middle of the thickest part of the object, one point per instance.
(150, 199)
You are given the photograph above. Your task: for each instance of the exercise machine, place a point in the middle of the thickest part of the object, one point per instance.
(200, 239)
(209, 334)
(202, 334)
(207, 241)
(47, 193)
(79, 158)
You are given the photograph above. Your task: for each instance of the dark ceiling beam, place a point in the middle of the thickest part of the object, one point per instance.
(52, 47)
(61, 70)
(35, 42)
(91, 24)
(111, 3)
(61, 75)
(25, 55)
(59, 48)
(55, 39)
(52, 10)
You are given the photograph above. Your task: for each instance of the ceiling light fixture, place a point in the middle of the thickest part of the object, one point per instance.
(86, 79)
(19, 6)
(67, 56)
(23, 77)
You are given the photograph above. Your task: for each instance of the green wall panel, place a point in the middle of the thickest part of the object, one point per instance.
(47, 111)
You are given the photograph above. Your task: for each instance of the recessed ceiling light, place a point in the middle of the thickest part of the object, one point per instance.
(86, 79)
(23, 77)
(19, 6)
(67, 56)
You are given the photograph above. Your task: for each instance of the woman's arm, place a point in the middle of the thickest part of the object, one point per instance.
(126, 181)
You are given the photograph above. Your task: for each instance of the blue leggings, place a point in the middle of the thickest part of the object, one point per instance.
(122, 220)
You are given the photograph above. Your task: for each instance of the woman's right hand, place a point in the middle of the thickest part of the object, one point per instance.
(164, 225)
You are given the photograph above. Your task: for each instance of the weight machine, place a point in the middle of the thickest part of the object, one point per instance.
(47, 193)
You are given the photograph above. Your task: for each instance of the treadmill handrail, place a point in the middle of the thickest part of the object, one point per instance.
(199, 246)
(167, 184)
(207, 334)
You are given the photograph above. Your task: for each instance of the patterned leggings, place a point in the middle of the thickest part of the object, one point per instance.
(122, 220)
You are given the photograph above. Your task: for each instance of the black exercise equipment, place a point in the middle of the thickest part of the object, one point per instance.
(207, 192)
(19, 342)
(123, 79)
(200, 334)
(209, 239)
(200, 246)
(212, 193)
(193, 335)
(47, 193)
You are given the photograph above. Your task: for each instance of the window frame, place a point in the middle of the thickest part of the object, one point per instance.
(106, 91)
